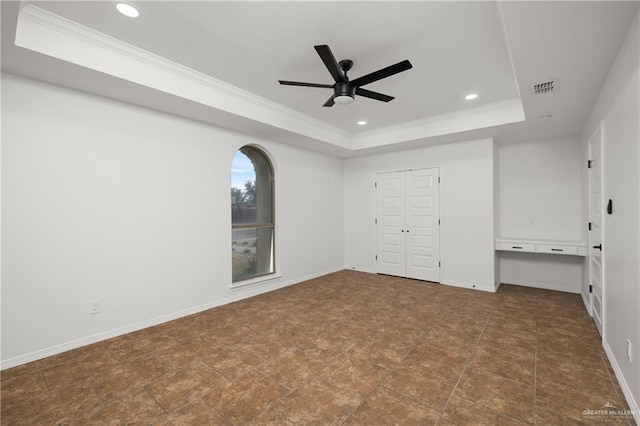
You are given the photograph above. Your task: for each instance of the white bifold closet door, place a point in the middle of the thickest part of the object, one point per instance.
(407, 224)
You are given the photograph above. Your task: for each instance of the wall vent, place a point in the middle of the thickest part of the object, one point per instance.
(545, 87)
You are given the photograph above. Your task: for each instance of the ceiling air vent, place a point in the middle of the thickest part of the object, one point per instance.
(545, 87)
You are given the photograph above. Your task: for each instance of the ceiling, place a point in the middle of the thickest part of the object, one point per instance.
(219, 62)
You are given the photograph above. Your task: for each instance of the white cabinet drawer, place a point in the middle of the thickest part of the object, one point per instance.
(556, 249)
(575, 248)
(515, 247)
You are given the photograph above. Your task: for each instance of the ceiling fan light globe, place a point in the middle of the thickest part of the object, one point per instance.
(343, 99)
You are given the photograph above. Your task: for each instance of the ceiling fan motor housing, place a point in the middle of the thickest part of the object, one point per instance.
(344, 89)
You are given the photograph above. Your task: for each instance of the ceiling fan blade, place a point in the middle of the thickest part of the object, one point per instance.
(298, 83)
(329, 102)
(330, 62)
(382, 73)
(373, 95)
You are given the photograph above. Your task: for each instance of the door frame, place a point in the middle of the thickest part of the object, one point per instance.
(597, 133)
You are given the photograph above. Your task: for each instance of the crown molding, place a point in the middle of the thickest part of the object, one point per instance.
(47, 33)
(496, 114)
(50, 34)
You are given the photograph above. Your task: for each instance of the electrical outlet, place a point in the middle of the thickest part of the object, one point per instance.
(629, 352)
(94, 307)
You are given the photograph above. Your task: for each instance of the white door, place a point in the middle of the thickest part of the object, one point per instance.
(390, 207)
(407, 224)
(422, 232)
(595, 234)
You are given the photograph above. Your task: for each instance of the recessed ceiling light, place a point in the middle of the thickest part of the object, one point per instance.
(545, 117)
(361, 123)
(127, 10)
(471, 96)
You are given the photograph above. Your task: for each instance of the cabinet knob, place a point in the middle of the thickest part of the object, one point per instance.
(599, 247)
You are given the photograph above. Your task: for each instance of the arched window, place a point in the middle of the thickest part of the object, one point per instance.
(252, 207)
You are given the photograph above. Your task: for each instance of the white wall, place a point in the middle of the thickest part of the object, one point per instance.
(466, 208)
(540, 193)
(541, 189)
(540, 270)
(105, 200)
(496, 208)
(618, 108)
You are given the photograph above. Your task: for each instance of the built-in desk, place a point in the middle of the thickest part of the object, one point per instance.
(575, 248)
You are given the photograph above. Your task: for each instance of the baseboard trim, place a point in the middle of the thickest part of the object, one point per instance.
(449, 283)
(587, 303)
(543, 286)
(469, 286)
(359, 269)
(64, 347)
(633, 404)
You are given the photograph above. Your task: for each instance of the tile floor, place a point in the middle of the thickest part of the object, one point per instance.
(347, 348)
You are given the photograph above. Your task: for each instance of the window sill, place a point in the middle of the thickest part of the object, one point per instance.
(257, 280)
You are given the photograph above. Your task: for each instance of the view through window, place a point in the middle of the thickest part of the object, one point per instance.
(252, 214)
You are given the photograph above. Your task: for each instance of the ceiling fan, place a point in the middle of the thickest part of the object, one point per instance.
(344, 91)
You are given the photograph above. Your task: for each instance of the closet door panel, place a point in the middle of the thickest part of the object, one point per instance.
(422, 229)
(390, 238)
